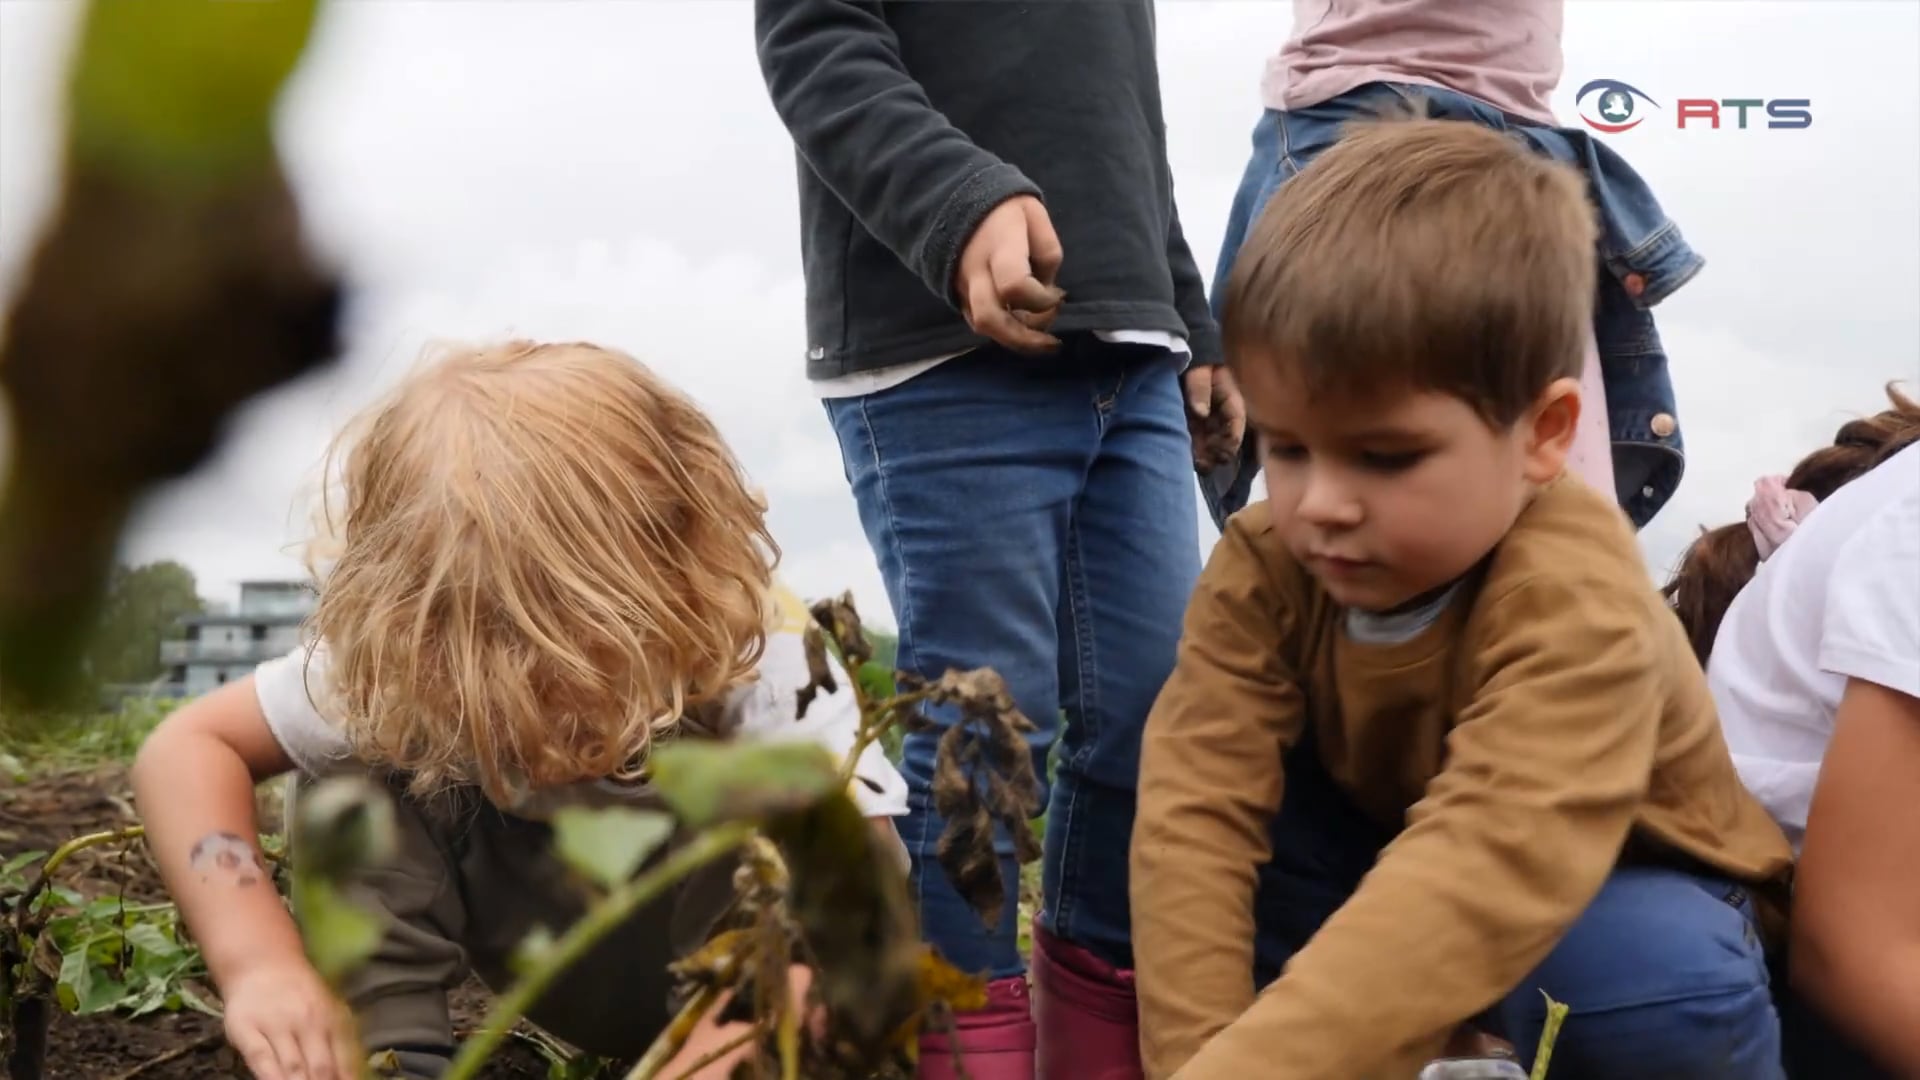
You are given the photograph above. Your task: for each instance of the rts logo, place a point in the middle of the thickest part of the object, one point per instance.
(1611, 106)
(1612, 109)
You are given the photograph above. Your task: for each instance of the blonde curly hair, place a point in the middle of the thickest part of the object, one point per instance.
(540, 558)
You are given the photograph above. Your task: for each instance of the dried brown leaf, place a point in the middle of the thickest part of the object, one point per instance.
(841, 620)
(983, 776)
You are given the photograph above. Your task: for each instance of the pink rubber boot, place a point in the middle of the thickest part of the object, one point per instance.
(1084, 1008)
(995, 1043)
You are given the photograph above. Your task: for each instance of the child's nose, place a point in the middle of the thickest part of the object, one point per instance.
(1329, 502)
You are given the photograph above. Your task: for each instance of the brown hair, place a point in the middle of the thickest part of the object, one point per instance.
(1717, 565)
(543, 557)
(1421, 254)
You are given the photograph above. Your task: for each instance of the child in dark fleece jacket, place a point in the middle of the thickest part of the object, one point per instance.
(981, 182)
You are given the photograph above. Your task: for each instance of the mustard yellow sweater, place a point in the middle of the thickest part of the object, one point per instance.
(1551, 719)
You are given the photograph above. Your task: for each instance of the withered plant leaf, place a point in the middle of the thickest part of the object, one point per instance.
(820, 678)
(983, 777)
(842, 621)
(855, 921)
(829, 894)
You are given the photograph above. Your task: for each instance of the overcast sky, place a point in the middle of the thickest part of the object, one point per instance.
(612, 171)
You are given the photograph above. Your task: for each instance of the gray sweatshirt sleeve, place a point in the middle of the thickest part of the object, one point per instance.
(868, 130)
(1190, 296)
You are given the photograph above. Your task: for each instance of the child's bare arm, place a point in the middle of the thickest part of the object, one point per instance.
(194, 782)
(1856, 911)
(1210, 784)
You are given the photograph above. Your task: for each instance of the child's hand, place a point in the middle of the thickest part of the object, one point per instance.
(708, 1039)
(1216, 415)
(1468, 1041)
(287, 1025)
(1005, 277)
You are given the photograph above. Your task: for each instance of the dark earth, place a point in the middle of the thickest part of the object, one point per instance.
(46, 811)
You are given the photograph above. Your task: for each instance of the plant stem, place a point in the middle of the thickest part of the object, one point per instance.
(62, 854)
(719, 1052)
(1549, 1032)
(875, 719)
(789, 1036)
(675, 1035)
(599, 921)
(28, 1059)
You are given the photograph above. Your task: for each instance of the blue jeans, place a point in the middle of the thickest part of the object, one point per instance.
(1664, 972)
(1637, 244)
(1035, 515)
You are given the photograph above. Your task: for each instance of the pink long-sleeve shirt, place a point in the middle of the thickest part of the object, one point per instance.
(1503, 52)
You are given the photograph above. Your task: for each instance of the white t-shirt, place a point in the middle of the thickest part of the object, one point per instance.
(1839, 600)
(763, 709)
(862, 383)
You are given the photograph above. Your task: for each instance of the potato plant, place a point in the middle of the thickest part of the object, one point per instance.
(813, 884)
(59, 949)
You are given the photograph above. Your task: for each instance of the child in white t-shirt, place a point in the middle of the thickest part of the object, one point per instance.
(547, 560)
(1807, 616)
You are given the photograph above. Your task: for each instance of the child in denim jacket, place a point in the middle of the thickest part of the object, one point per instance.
(1493, 63)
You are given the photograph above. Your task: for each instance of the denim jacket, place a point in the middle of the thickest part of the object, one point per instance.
(1643, 260)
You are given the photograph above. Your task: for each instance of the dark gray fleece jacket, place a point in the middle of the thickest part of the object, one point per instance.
(913, 118)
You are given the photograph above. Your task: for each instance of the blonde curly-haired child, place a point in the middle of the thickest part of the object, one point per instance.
(541, 561)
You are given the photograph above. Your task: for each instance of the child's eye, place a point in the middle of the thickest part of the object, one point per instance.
(1399, 461)
(1290, 452)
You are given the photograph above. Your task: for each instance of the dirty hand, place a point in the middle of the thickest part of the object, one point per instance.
(1216, 415)
(286, 1025)
(713, 1050)
(1005, 277)
(1468, 1041)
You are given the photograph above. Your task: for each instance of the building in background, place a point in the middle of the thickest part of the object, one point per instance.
(219, 645)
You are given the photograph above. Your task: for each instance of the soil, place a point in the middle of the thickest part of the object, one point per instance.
(46, 811)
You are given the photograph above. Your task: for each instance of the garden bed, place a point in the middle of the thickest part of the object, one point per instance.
(41, 813)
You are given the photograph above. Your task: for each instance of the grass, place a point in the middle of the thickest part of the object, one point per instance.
(62, 741)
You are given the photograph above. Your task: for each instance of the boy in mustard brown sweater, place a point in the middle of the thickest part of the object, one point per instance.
(1433, 744)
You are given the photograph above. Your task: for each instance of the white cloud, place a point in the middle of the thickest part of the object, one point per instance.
(611, 170)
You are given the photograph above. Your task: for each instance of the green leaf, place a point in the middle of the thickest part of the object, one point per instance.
(339, 934)
(344, 824)
(105, 993)
(532, 950)
(194, 1001)
(706, 782)
(152, 940)
(12, 768)
(19, 862)
(106, 949)
(875, 679)
(76, 980)
(64, 930)
(149, 998)
(185, 85)
(608, 844)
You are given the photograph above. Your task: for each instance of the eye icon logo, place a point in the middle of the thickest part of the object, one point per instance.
(1612, 106)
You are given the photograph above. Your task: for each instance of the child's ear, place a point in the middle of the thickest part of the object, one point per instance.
(1549, 428)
